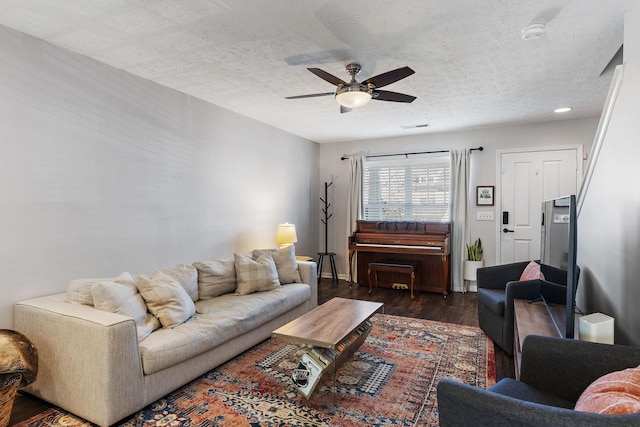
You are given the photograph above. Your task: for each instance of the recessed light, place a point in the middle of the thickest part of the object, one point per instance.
(562, 110)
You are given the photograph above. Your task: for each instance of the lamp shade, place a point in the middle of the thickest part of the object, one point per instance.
(286, 234)
(353, 96)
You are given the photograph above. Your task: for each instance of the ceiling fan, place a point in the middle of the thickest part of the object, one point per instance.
(353, 94)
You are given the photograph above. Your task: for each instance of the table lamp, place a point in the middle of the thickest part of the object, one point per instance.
(286, 235)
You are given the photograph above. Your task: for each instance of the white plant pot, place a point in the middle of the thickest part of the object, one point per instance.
(470, 268)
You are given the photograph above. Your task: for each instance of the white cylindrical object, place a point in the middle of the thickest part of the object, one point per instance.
(597, 327)
(470, 268)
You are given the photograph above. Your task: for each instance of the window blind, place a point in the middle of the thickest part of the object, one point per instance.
(411, 189)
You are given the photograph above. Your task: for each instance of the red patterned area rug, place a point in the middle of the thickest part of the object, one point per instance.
(390, 381)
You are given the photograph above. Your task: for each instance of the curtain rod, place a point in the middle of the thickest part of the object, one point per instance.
(346, 156)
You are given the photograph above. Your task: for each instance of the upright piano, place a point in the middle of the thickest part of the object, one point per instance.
(425, 245)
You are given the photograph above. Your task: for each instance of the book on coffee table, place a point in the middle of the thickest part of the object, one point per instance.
(307, 374)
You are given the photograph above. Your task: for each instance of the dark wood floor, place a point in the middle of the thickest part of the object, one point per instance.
(456, 308)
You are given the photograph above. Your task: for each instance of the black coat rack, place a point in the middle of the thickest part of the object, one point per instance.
(325, 221)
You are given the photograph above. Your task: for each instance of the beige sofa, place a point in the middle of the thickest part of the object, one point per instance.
(101, 366)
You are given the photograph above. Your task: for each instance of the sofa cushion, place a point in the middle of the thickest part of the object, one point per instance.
(492, 299)
(522, 391)
(217, 321)
(249, 309)
(532, 272)
(185, 274)
(80, 290)
(614, 393)
(166, 299)
(286, 263)
(123, 298)
(255, 275)
(216, 277)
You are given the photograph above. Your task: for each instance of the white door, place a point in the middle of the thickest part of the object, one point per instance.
(526, 179)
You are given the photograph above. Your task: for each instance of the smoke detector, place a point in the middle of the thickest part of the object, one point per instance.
(532, 31)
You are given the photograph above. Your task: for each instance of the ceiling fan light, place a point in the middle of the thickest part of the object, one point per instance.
(353, 96)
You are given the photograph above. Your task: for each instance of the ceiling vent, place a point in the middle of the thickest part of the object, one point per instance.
(424, 125)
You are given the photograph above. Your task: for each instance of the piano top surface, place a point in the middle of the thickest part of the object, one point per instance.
(401, 227)
(396, 236)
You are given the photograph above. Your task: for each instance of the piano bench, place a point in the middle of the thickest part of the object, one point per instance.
(375, 267)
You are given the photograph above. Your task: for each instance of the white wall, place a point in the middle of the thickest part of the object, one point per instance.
(483, 168)
(103, 172)
(609, 223)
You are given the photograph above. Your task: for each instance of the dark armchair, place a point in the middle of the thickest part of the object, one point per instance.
(498, 286)
(555, 371)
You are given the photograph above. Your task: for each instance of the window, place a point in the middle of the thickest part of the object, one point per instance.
(414, 189)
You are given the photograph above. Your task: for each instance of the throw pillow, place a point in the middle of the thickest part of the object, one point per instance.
(615, 393)
(185, 274)
(532, 272)
(216, 277)
(286, 263)
(80, 290)
(123, 298)
(255, 276)
(166, 299)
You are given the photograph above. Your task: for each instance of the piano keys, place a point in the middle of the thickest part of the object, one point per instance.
(425, 245)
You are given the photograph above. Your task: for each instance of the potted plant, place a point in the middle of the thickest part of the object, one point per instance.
(473, 261)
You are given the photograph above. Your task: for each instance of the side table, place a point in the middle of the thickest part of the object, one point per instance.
(332, 263)
(18, 368)
(533, 318)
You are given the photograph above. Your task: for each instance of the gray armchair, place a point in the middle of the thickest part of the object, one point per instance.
(498, 286)
(554, 372)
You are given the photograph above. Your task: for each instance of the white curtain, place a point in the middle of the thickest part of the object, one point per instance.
(355, 209)
(459, 214)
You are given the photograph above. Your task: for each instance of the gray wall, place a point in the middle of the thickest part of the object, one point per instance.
(609, 223)
(103, 172)
(483, 168)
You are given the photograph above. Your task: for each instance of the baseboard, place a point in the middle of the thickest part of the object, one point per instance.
(340, 276)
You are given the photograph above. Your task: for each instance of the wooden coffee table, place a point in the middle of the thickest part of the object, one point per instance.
(340, 326)
(328, 324)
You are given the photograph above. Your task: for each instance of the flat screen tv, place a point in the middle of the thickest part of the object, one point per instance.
(558, 248)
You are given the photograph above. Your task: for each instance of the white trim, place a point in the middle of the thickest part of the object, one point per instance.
(537, 149)
(605, 118)
(341, 276)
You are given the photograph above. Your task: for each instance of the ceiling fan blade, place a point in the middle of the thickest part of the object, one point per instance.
(313, 95)
(344, 109)
(385, 95)
(389, 77)
(328, 77)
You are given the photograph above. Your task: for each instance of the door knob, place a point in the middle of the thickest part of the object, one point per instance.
(506, 230)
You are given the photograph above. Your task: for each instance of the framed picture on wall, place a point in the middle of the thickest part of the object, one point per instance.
(484, 195)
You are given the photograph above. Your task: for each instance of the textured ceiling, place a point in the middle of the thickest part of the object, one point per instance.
(472, 66)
